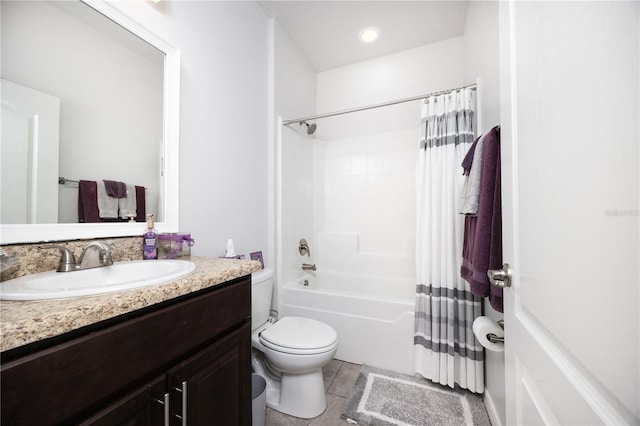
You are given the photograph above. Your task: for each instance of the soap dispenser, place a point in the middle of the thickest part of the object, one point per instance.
(150, 240)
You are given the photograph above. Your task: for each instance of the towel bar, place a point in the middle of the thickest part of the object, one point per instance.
(64, 181)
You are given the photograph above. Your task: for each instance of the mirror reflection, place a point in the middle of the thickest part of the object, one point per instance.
(82, 99)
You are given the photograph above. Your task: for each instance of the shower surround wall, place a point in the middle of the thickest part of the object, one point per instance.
(364, 206)
(364, 198)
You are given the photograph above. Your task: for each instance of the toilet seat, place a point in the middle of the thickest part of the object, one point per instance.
(297, 335)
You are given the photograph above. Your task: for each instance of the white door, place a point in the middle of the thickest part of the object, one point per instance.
(29, 155)
(570, 136)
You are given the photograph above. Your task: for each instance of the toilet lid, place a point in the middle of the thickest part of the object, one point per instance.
(299, 333)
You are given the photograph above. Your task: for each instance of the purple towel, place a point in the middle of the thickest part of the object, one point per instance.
(115, 189)
(141, 205)
(88, 202)
(482, 247)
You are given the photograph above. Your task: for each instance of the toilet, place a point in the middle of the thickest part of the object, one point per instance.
(289, 353)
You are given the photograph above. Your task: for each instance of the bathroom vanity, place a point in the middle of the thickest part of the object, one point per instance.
(175, 353)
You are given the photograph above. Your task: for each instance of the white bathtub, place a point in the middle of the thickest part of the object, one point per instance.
(374, 317)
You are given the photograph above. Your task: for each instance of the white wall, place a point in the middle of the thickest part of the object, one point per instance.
(295, 88)
(117, 138)
(295, 79)
(223, 118)
(481, 60)
(365, 165)
(412, 72)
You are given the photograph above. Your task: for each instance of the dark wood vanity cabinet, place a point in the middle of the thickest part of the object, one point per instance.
(192, 354)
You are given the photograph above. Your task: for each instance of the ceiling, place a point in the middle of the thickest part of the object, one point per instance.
(327, 31)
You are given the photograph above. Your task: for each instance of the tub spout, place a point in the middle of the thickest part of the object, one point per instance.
(308, 267)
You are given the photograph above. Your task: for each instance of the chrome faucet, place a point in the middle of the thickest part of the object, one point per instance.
(94, 255)
(308, 267)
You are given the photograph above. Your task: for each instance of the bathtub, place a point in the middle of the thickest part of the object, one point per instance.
(374, 317)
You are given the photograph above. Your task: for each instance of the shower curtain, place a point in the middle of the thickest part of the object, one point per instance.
(445, 348)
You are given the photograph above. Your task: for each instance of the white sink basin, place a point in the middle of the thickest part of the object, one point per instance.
(107, 279)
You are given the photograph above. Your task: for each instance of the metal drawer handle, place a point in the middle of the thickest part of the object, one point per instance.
(165, 403)
(183, 391)
(184, 403)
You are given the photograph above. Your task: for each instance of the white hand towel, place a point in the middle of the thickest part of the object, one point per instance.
(128, 205)
(471, 190)
(107, 206)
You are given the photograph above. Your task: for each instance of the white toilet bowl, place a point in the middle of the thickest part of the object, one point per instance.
(297, 349)
(289, 353)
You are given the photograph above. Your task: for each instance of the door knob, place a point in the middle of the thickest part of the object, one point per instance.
(500, 277)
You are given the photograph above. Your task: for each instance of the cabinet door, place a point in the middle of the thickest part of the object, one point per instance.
(143, 407)
(214, 386)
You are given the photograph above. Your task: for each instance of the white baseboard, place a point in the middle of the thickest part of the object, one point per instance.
(491, 409)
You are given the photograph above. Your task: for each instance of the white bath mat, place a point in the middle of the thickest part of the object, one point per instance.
(382, 397)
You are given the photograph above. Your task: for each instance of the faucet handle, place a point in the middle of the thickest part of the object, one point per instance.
(67, 260)
(303, 247)
(6, 261)
(106, 256)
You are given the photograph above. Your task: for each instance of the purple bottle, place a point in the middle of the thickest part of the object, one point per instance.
(150, 241)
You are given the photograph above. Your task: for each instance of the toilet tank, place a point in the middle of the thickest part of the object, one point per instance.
(261, 293)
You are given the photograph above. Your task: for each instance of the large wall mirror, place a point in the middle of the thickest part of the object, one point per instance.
(89, 95)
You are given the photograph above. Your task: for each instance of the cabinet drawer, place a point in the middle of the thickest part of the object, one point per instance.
(72, 379)
(144, 406)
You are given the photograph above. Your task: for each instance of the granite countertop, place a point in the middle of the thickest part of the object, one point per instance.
(30, 321)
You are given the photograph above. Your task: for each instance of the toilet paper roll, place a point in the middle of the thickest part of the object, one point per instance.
(482, 327)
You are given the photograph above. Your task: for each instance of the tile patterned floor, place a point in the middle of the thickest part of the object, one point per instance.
(339, 378)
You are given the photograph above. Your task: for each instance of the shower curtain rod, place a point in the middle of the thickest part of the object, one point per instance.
(384, 104)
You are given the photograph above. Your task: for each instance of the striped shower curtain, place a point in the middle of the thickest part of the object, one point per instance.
(445, 348)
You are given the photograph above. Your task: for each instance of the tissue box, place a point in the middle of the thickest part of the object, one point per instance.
(175, 246)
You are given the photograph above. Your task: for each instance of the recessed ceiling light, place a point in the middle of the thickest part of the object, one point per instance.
(369, 34)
